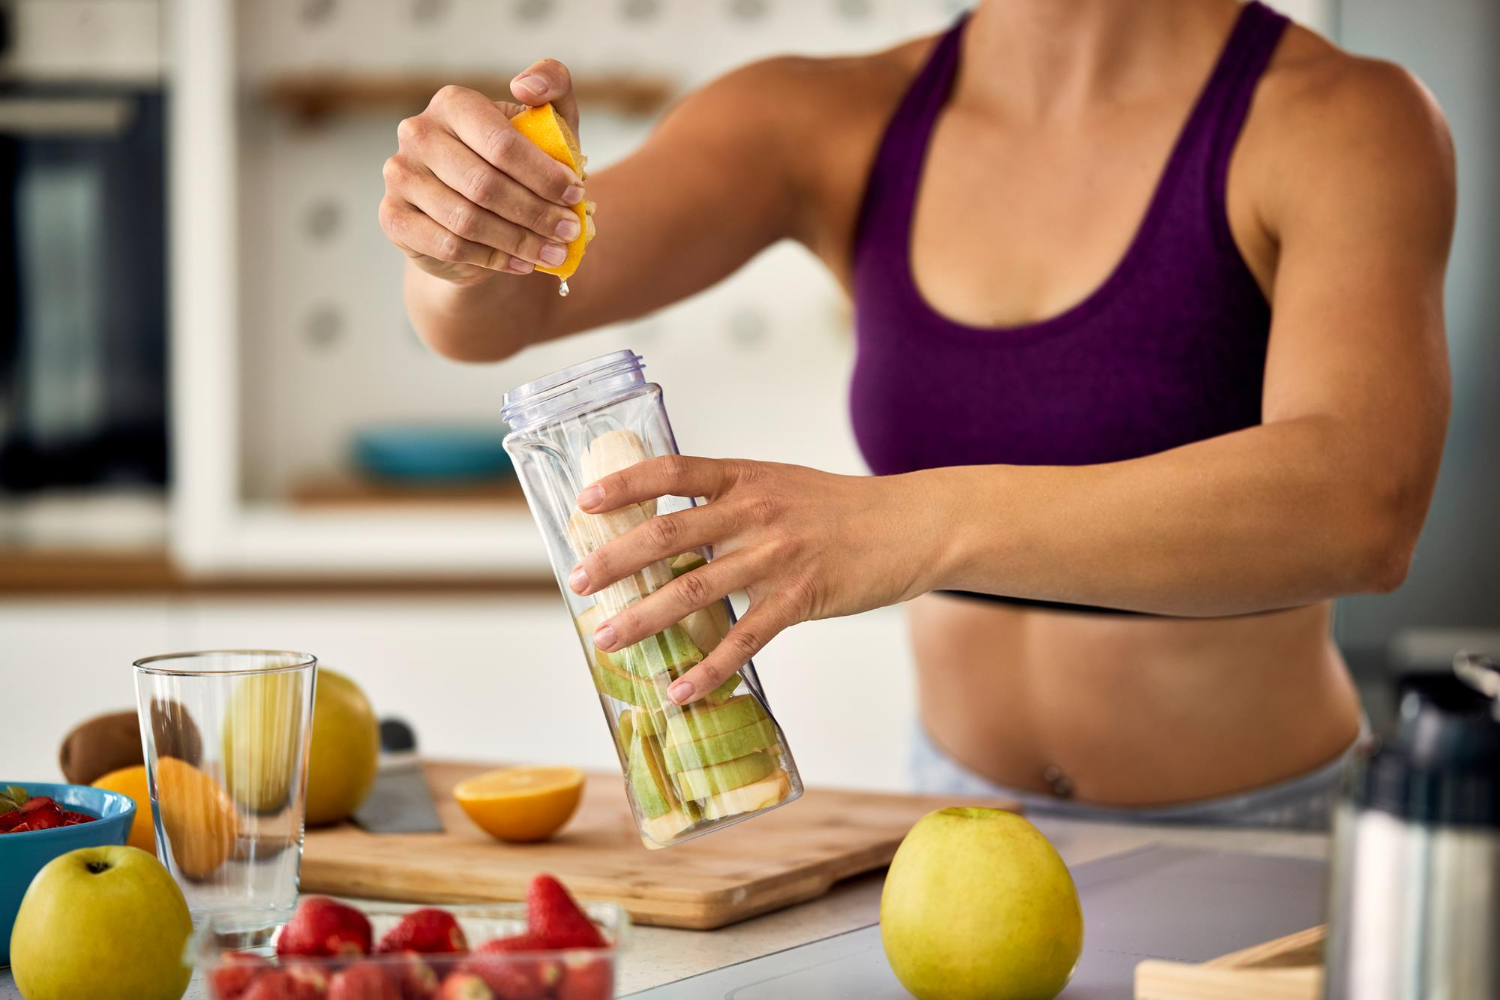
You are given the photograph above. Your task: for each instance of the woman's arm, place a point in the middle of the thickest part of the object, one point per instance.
(1325, 498)
(719, 180)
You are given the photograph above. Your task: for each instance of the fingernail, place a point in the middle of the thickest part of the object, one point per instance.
(578, 580)
(533, 85)
(681, 691)
(553, 254)
(604, 636)
(572, 194)
(590, 497)
(521, 266)
(567, 229)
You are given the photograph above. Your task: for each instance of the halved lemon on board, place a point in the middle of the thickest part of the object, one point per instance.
(521, 803)
(547, 130)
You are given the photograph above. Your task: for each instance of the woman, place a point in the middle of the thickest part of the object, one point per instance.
(1148, 310)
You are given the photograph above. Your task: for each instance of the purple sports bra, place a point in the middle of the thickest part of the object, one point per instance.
(1170, 349)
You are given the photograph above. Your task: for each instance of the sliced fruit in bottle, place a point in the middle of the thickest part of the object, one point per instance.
(611, 452)
(748, 798)
(703, 782)
(665, 814)
(684, 725)
(719, 747)
(708, 626)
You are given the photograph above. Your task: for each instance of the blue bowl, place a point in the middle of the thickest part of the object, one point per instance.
(22, 855)
(433, 455)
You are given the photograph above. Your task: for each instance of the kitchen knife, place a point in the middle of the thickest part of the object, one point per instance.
(400, 801)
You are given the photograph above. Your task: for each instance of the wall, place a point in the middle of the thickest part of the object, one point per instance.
(1455, 578)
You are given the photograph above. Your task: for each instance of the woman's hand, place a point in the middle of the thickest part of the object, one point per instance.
(803, 544)
(467, 196)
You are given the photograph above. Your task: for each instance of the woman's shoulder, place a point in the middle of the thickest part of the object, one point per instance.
(1315, 94)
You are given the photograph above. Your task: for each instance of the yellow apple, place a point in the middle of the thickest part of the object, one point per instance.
(345, 750)
(107, 923)
(977, 905)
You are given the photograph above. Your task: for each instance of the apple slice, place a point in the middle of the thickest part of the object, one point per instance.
(718, 748)
(704, 782)
(748, 798)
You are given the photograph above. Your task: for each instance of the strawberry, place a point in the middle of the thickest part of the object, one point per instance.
(525, 941)
(464, 986)
(587, 979)
(553, 915)
(10, 820)
(312, 980)
(510, 976)
(47, 815)
(323, 927)
(234, 974)
(428, 930)
(71, 818)
(363, 981)
(417, 979)
(275, 985)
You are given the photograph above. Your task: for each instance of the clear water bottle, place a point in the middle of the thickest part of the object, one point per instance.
(688, 770)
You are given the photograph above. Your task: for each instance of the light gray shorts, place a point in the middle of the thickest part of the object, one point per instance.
(1301, 803)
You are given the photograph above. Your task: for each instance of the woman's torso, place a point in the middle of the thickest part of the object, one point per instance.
(1018, 225)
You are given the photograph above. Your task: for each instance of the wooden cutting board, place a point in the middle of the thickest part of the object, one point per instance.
(787, 856)
(1289, 968)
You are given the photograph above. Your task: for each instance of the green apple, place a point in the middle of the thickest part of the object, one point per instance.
(720, 747)
(703, 782)
(664, 816)
(684, 725)
(345, 749)
(977, 905)
(106, 923)
(262, 734)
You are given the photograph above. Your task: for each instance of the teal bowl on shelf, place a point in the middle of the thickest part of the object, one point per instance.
(432, 455)
(22, 855)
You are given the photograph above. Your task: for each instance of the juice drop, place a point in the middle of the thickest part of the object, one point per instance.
(562, 288)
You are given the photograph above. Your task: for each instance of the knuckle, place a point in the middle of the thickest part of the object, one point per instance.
(499, 143)
(664, 531)
(744, 641)
(694, 590)
(448, 247)
(479, 185)
(674, 467)
(446, 95)
(393, 171)
(801, 594)
(410, 130)
(762, 508)
(463, 220)
(540, 219)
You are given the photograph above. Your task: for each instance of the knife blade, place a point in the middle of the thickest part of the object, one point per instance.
(399, 801)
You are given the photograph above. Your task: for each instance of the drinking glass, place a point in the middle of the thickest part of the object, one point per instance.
(226, 736)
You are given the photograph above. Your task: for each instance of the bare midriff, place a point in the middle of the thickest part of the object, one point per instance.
(1129, 710)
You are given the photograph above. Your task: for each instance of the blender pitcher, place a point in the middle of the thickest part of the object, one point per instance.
(688, 770)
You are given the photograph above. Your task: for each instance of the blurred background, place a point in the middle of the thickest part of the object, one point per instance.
(209, 390)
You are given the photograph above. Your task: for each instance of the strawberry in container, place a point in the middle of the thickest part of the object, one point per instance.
(548, 948)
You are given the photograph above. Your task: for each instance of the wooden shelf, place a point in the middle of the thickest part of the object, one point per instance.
(313, 96)
(348, 491)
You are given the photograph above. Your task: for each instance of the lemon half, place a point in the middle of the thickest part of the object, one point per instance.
(547, 130)
(521, 803)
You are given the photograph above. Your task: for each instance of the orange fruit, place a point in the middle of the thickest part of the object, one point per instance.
(197, 815)
(547, 130)
(521, 803)
(131, 781)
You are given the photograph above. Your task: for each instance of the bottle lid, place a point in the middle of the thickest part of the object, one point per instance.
(1443, 765)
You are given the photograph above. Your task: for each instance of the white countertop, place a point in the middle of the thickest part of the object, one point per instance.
(659, 955)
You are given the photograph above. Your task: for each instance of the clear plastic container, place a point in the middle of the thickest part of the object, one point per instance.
(585, 973)
(688, 770)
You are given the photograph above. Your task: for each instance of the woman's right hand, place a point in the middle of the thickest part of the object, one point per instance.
(468, 197)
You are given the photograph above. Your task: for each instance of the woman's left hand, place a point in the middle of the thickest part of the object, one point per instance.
(802, 544)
